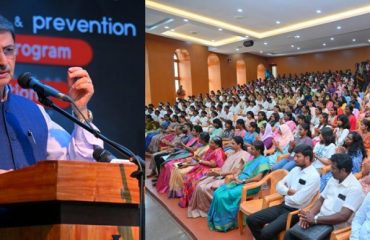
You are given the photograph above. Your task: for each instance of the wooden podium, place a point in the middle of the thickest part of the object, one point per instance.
(70, 200)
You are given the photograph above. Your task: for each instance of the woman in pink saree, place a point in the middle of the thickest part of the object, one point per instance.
(179, 156)
(214, 157)
(203, 194)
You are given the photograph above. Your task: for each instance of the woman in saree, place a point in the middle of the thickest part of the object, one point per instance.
(240, 129)
(229, 130)
(203, 194)
(281, 143)
(181, 168)
(168, 129)
(364, 131)
(251, 134)
(266, 135)
(184, 151)
(217, 130)
(183, 135)
(222, 214)
(214, 157)
(157, 135)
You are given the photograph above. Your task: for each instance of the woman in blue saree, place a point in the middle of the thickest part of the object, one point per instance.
(222, 214)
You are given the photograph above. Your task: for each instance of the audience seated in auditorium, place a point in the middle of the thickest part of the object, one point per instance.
(182, 166)
(213, 158)
(298, 188)
(340, 199)
(333, 104)
(203, 193)
(224, 207)
(354, 147)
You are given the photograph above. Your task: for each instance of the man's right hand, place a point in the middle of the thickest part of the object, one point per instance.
(291, 192)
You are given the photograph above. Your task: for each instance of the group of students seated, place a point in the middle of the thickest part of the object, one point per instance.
(205, 149)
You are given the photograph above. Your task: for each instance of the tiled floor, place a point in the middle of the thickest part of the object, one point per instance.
(166, 220)
(160, 225)
(197, 227)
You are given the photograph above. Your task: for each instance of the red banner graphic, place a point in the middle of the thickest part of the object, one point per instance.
(53, 50)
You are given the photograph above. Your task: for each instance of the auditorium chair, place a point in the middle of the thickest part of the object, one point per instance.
(291, 214)
(339, 234)
(249, 206)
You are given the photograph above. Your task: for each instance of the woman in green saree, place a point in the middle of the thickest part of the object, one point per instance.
(222, 214)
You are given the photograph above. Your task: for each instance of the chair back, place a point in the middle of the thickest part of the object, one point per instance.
(275, 177)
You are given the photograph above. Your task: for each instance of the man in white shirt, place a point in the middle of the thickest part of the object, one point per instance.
(155, 116)
(226, 115)
(254, 108)
(298, 189)
(341, 197)
(194, 119)
(204, 121)
(235, 108)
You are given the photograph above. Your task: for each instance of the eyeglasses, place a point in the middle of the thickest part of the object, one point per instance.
(9, 51)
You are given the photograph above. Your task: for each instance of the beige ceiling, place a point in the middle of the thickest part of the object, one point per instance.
(223, 25)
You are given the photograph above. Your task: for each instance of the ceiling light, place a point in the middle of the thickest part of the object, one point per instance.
(331, 39)
(324, 44)
(261, 51)
(155, 5)
(297, 36)
(220, 29)
(339, 27)
(166, 27)
(194, 39)
(354, 40)
(265, 43)
(277, 22)
(292, 46)
(298, 48)
(237, 49)
(368, 40)
(240, 10)
(246, 36)
(318, 11)
(186, 20)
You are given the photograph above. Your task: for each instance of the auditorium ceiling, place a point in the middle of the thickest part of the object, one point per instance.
(277, 27)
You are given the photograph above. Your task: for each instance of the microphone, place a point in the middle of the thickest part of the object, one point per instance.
(102, 155)
(26, 80)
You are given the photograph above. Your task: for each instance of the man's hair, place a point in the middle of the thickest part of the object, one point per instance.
(259, 146)
(305, 149)
(342, 161)
(327, 135)
(198, 129)
(6, 26)
(204, 136)
(217, 122)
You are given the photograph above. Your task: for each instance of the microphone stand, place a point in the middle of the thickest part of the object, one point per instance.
(138, 174)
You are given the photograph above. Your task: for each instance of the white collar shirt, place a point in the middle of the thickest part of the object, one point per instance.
(306, 183)
(346, 194)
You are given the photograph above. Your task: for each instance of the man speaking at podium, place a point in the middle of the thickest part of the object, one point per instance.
(27, 134)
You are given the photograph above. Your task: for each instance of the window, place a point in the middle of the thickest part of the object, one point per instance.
(176, 71)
